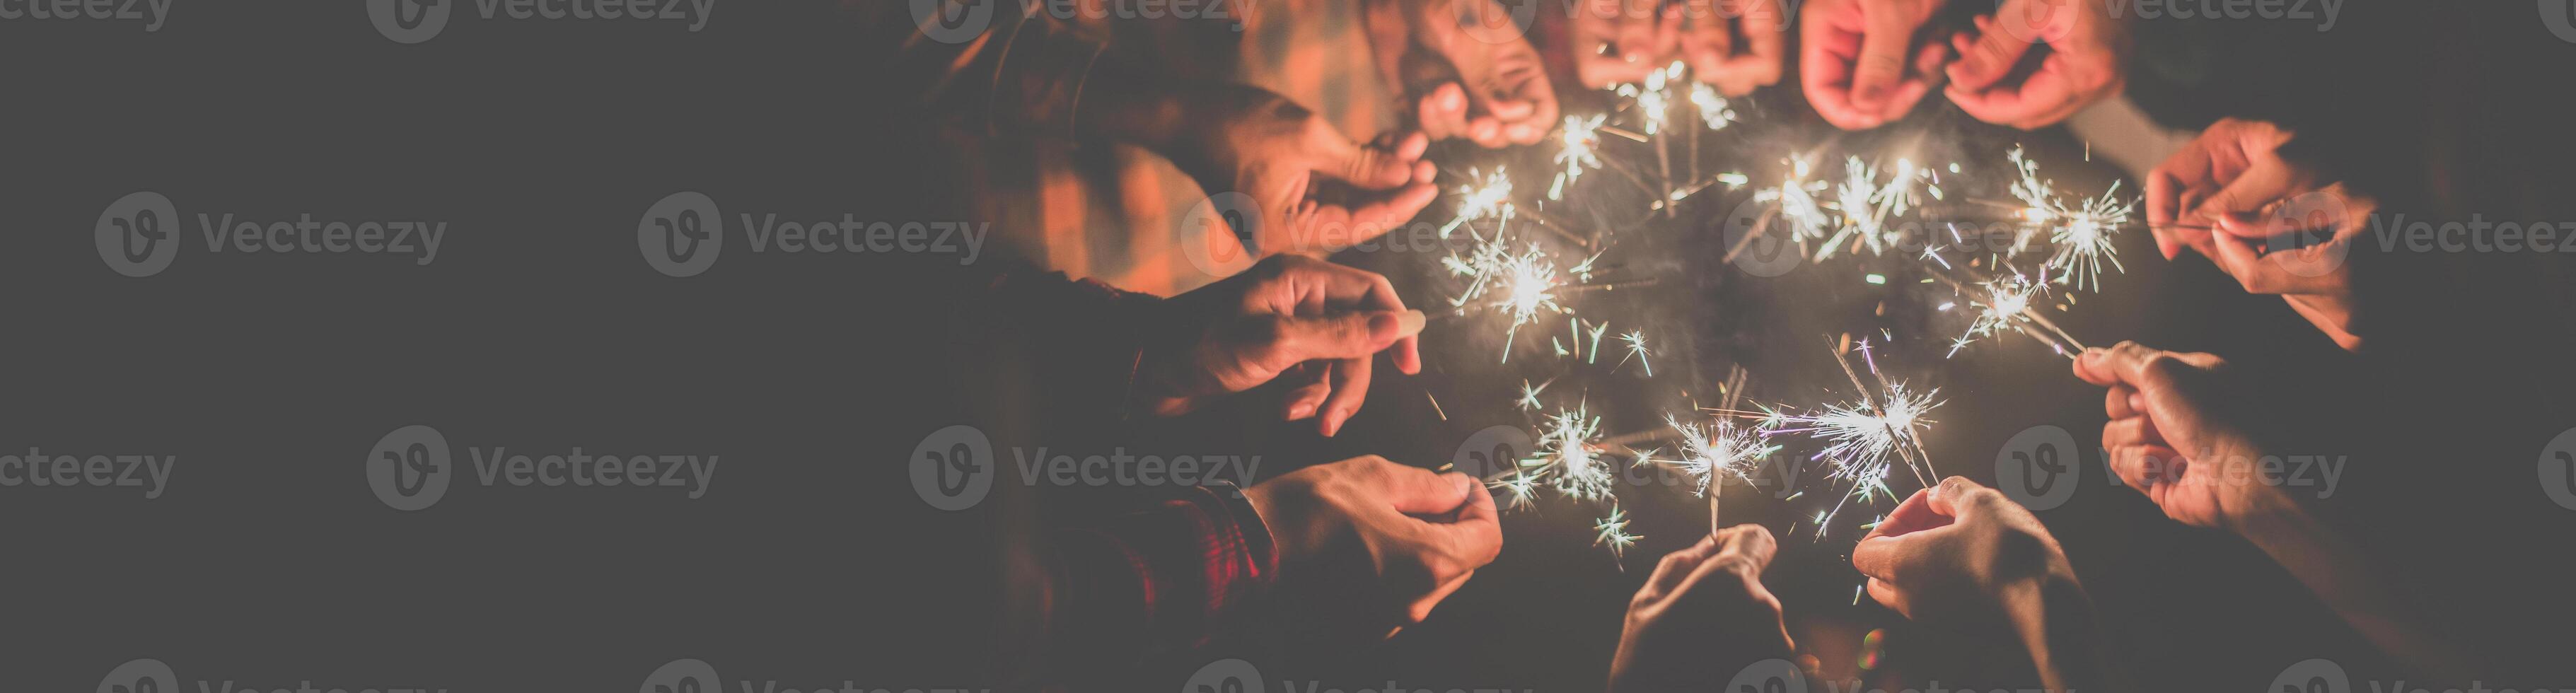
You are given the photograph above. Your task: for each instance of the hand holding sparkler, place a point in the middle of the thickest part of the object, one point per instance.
(2087, 58)
(1361, 523)
(1613, 42)
(1319, 324)
(1314, 190)
(2169, 439)
(1857, 61)
(2235, 177)
(1500, 94)
(1702, 613)
(1964, 555)
(1708, 43)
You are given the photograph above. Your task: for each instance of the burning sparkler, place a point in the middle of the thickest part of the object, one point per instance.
(2084, 234)
(1797, 200)
(1582, 140)
(1489, 199)
(1636, 340)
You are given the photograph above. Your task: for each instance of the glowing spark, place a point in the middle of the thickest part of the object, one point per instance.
(1612, 531)
(1582, 139)
(1492, 199)
(1568, 456)
(2084, 234)
(1713, 108)
(1797, 199)
(1636, 340)
(1708, 453)
(1529, 395)
(1519, 284)
(2004, 305)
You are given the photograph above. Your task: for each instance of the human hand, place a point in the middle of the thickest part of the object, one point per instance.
(1315, 191)
(1701, 615)
(1735, 45)
(2086, 60)
(1857, 62)
(2169, 437)
(1961, 554)
(1474, 75)
(2233, 180)
(1354, 546)
(1318, 323)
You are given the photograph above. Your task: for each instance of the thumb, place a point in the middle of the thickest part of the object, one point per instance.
(1885, 34)
(1367, 167)
(2001, 43)
(2267, 181)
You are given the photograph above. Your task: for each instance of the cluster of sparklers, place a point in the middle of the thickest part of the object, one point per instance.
(2003, 283)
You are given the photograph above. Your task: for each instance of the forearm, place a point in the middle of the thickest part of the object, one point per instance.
(2325, 559)
(2056, 624)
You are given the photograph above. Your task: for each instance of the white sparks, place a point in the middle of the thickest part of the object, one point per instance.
(1568, 458)
(1612, 531)
(1581, 140)
(2005, 304)
(1636, 340)
(1707, 454)
(1797, 199)
(1713, 108)
(1489, 199)
(1519, 284)
(2084, 235)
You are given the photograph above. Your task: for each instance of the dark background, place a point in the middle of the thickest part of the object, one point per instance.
(810, 561)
